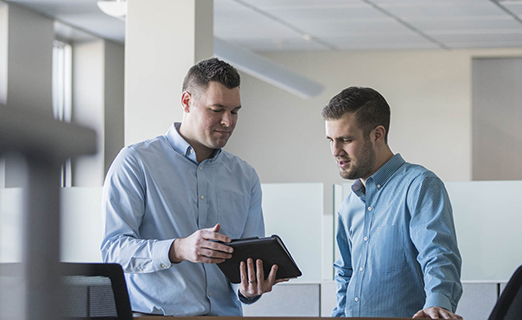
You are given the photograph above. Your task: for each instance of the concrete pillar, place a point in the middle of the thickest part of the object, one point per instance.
(164, 38)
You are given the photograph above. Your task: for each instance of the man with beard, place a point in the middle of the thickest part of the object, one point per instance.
(396, 235)
(173, 202)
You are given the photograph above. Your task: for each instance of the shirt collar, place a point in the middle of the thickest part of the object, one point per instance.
(381, 176)
(183, 147)
(387, 170)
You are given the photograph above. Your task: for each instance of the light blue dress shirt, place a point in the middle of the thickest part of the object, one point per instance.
(155, 192)
(398, 247)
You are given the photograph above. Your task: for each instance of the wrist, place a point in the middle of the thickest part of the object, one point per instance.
(247, 300)
(175, 255)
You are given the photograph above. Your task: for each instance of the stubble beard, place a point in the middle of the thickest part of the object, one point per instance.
(364, 165)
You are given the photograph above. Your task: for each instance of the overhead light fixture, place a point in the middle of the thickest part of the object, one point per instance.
(117, 9)
(259, 67)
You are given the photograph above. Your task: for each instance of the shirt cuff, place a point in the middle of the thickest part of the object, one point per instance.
(246, 300)
(160, 256)
(438, 300)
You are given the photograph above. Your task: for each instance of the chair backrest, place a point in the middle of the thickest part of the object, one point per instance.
(509, 305)
(88, 291)
(95, 290)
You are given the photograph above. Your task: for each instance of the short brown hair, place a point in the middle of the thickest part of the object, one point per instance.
(369, 106)
(212, 69)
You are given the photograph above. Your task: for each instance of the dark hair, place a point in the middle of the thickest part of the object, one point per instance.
(369, 106)
(212, 69)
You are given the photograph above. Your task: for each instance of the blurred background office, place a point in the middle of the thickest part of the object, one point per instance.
(450, 71)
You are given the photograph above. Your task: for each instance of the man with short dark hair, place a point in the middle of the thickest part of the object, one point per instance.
(174, 201)
(396, 235)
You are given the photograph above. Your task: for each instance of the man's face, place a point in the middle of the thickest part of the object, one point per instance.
(352, 150)
(212, 115)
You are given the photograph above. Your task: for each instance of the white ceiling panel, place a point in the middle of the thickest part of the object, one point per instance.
(272, 25)
(515, 8)
(424, 2)
(387, 46)
(228, 25)
(340, 13)
(492, 38)
(445, 10)
(358, 27)
(411, 38)
(429, 25)
(229, 5)
(266, 44)
(484, 44)
(288, 4)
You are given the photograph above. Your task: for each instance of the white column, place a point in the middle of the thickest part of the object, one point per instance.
(97, 103)
(164, 38)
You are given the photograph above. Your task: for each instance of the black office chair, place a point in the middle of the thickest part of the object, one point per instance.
(509, 305)
(90, 291)
(95, 291)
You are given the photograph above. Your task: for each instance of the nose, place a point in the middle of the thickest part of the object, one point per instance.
(226, 119)
(337, 149)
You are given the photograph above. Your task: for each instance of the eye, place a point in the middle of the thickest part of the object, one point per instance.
(347, 141)
(215, 110)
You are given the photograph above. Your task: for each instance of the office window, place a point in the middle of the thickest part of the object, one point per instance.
(62, 91)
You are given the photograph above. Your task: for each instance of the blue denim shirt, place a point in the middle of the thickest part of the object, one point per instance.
(155, 192)
(398, 246)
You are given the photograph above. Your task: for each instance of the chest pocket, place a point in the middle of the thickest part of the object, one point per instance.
(387, 249)
(232, 212)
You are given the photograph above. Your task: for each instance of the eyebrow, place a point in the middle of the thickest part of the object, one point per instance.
(223, 107)
(341, 138)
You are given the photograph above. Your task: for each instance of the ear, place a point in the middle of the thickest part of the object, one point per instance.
(186, 98)
(378, 134)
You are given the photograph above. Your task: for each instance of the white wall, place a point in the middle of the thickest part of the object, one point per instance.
(429, 93)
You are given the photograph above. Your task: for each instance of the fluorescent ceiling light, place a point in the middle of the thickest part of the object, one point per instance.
(259, 67)
(117, 9)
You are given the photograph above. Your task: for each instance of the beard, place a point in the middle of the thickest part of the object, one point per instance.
(363, 165)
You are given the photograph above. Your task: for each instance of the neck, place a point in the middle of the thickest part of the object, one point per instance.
(382, 156)
(202, 153)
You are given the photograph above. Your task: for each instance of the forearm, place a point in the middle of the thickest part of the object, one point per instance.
(137, 255)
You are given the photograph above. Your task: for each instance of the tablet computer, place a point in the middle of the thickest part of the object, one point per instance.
(270, 249)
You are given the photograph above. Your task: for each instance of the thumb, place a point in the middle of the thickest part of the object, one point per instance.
(216, 227)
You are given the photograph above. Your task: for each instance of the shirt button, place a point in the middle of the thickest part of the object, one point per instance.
(370, 208)
(182, 154)
(365, 238)
(210, 294)
(200, 168)
(378, 186)
(361, 269)
(163, 266)
(202, 197)
(140, 269)
(356, 299)
(191, 150)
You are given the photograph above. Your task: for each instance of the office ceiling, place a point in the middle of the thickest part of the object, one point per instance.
(275, 25)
